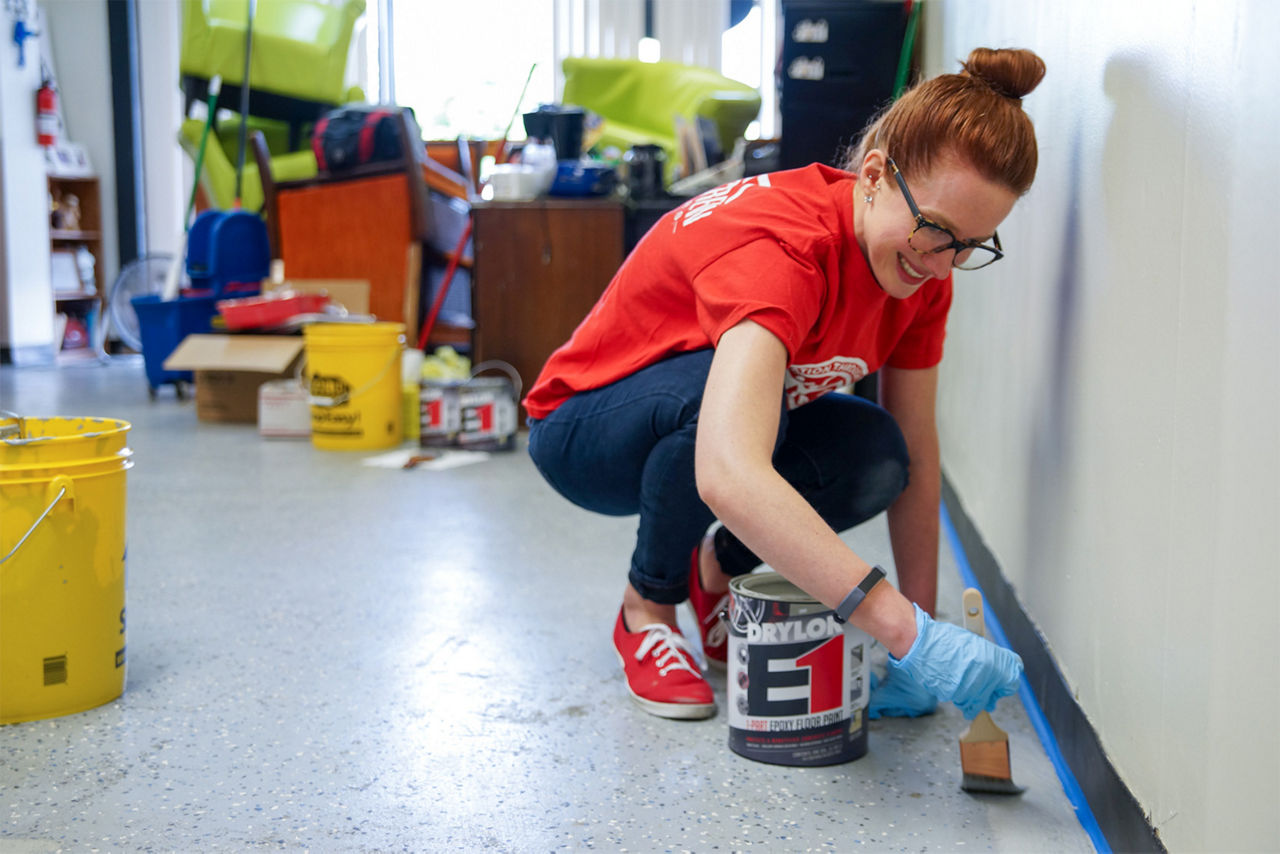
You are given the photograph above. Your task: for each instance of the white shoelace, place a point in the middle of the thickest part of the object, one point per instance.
(717, 633)
(671, 650)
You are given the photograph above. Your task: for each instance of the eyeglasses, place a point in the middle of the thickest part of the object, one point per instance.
(929, 238)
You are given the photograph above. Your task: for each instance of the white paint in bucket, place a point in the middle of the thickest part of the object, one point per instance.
(798, 680)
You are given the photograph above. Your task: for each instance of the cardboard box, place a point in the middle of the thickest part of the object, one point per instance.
(284, 409)
(351, 294)
(230, 368)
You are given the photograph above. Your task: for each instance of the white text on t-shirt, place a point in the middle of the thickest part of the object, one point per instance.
(703, 205)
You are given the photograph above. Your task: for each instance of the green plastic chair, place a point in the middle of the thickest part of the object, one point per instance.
(218, 172)
(297, 69)
(638, 101)
(297, 62)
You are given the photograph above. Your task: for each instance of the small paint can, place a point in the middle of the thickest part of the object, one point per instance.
(478, 414)
(798, 679)
(487, 414)
(438, 408)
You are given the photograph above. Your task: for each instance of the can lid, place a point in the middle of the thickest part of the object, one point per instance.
(486, 383)
(771, 586)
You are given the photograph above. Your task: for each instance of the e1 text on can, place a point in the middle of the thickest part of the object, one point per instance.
(798, 679)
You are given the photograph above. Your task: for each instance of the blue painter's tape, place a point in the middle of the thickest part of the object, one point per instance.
(1050, 742)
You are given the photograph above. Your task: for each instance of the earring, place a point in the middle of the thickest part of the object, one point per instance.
(867, 199)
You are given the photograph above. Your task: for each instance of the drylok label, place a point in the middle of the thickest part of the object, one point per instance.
(814, 628)
(787, 687)
(796, 683)
(486, 414)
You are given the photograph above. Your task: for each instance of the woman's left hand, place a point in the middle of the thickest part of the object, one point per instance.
(960, 666)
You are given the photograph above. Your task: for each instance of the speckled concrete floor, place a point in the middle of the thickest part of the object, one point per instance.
(332, 657)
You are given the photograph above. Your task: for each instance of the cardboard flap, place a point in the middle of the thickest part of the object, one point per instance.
(351, 294)
(270, 354)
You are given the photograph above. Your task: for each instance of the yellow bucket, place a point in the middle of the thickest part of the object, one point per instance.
(353, 374)
(62, 564)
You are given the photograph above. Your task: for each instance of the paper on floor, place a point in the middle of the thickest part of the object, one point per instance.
(441, 459)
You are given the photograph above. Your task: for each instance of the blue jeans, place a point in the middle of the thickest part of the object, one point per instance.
(628, 448)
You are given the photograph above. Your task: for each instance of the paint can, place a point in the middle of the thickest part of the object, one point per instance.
(798, 679)
(487, 414)
(478, 414)
(439, 419)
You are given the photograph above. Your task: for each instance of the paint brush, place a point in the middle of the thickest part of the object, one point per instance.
(984, 747)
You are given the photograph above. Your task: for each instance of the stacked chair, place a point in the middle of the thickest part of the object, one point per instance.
(392, 223)
(297, 66)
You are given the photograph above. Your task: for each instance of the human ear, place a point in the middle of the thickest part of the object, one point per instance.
(874, 164)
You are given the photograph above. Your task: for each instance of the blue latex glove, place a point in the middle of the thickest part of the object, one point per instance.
(899, 696)
(958, 666)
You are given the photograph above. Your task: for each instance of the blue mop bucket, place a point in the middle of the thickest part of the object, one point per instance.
(227, 253)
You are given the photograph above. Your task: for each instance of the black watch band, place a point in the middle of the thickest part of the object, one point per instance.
(857, 594)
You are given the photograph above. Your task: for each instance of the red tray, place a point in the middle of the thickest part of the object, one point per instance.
(264, 312)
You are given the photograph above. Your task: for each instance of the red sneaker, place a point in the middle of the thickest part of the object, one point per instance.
(661, 674)
(706, 609)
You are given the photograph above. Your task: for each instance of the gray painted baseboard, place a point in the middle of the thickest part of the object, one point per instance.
(1118, 814)
(31, 356)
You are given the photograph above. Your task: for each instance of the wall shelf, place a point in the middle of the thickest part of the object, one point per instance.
(75, 221)
(74, 236)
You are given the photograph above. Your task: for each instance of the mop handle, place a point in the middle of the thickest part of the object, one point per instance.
(244, 97)
(215, 86)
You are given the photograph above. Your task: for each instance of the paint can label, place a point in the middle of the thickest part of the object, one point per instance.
(478, 414)
(798, 680)
(440, 418)
(487, 411)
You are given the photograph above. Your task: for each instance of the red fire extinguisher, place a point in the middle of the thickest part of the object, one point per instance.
(47, 114)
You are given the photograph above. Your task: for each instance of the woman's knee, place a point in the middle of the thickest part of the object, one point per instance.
(886, 466)
(846, 445)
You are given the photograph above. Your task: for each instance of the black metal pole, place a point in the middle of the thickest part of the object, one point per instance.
(244, 97)
(127, 128)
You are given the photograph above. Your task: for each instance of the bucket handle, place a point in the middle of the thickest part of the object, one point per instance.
(64, 487)
(499, 365)
(330, 402)
(19, 425)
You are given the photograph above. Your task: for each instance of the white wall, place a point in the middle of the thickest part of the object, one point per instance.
(78, 44)
(78, 39)
(167, 171)
(1110, 405)
(26, 294)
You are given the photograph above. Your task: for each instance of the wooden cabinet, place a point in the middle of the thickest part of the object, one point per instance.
(75, 228)
(539, 268)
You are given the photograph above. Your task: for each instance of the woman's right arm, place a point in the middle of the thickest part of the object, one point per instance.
(737, 429)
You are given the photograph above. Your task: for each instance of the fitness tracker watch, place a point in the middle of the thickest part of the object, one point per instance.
(857, 594)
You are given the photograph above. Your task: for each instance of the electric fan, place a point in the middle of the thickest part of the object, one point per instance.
(141, 277)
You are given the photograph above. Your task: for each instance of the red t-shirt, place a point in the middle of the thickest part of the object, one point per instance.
(778, 249)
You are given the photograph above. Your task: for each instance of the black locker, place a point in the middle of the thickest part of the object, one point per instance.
(839, 63)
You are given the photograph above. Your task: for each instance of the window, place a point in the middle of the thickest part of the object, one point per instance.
(462, 66)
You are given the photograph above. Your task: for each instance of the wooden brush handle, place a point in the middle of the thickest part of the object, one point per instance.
(973, 619)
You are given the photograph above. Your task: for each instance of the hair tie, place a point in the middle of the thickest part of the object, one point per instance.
(991, 84)
(998, 89)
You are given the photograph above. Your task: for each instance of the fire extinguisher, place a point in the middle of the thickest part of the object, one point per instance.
(47, 114)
